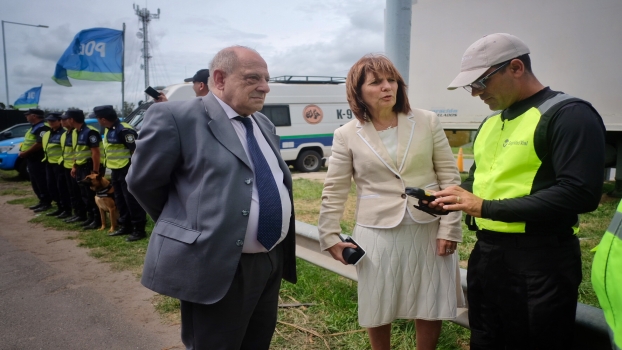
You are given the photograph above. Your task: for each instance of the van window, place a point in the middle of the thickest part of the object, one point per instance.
(278, 114)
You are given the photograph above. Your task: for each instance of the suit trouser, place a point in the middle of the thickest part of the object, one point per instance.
(245, 318)
(522, 291)
(129, 209)
(37, 173)
(74, 194)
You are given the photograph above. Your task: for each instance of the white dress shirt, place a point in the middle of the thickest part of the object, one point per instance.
(251, 244)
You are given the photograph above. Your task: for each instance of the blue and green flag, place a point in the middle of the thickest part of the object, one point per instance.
(94, 54)
(29, 99)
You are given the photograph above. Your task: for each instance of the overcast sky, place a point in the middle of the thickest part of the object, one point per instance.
(295, 37)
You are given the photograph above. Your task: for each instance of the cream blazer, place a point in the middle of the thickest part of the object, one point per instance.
(424, 160)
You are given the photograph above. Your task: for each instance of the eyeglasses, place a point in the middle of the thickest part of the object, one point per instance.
(479, 84)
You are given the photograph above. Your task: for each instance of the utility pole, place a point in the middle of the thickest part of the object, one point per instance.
(145, 17)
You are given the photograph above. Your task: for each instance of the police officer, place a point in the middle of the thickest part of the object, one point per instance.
(32, 150)
(85, 140)
(119, 144)
(67, 160)
(56, 182)
(199, 85)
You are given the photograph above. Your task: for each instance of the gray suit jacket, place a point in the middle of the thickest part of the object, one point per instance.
(188, 172)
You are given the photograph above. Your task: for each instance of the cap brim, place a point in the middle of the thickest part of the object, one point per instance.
(466, 78)
(188, 80)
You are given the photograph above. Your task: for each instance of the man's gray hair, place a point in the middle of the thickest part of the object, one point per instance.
(225, 60)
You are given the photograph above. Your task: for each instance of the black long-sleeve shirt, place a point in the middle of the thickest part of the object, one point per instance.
(570, 179)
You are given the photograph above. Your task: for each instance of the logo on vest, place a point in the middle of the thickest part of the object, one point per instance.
(507, 142)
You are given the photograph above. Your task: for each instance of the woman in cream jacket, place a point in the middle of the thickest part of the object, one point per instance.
(411, 267)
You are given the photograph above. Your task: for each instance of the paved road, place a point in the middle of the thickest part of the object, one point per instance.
(40, 309)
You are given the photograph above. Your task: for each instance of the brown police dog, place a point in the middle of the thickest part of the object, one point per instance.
(104, 198)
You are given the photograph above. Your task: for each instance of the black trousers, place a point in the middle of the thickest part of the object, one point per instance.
(245, 318)
(57, 186)
(522, 291)
(75, 196)
(38, 179)
(129, 209)
(87, 195)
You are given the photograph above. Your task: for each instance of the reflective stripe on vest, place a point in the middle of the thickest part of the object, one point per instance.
(52, 147)
(117, 155)
(31, 137)
(81, 152)
(67, 157)
(607, 276)
(507, 161)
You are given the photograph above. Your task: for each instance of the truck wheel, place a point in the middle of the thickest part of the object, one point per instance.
(22, 169)
(308, 161)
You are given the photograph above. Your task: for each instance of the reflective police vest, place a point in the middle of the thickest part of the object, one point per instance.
(117, 155)
(31, 137)
(506, 158)
(67, 158)
(81, 151)
(607, 276)
(52, 147)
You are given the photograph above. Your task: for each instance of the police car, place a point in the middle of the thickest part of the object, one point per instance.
(9, 150)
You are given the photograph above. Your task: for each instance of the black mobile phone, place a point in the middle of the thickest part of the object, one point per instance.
(351, 255)
(152, 92)
(423, 195)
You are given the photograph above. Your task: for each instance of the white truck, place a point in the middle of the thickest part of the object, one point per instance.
(575, 48)
(305, 110)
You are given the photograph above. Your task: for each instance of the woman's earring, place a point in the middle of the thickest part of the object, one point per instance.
(365, 117)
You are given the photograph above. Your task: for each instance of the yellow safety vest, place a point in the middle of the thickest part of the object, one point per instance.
(507, 161)
(82, 152)
(117, 155)
(31, 136)
(67, 158)
(607, 276)
(52, 148)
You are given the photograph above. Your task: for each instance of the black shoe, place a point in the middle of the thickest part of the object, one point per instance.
(124, 230)
(136, 236)
(55, 212)
(93, 225)
(86, 222)
(75, 219)
(64, 215)
(44, 207)
(33, 207)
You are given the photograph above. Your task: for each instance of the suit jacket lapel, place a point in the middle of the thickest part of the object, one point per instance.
(370, 136)
(405, 131)
(222, 129)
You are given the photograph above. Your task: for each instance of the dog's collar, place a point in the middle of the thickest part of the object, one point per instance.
(104, 192)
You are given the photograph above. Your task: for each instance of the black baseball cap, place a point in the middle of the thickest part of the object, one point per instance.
(36, 111)
(106, 112)
(53, 116)
(200, 77)
(75, 114)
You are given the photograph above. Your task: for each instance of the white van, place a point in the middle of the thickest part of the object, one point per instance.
(305, 110)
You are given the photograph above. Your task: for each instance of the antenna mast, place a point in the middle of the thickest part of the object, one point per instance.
(145, 17)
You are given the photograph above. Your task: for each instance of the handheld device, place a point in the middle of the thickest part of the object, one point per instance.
(352, 255)
(152, 92)
(423, 195)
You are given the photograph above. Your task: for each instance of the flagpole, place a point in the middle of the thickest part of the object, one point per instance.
(123, 75)
(40, 91)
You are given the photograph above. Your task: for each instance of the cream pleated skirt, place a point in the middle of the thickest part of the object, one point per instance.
(401, 277)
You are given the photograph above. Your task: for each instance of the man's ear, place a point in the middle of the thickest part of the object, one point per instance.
(219, 79)
(516, 67)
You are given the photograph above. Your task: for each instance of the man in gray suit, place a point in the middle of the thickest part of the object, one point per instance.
(209, 172)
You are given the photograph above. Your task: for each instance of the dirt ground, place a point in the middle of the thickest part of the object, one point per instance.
(72, 263)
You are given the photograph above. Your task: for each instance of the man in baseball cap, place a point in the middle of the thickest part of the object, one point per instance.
(31, 149)
(538, 163)
(199, 84)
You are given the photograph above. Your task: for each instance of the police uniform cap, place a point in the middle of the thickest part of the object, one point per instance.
(106, 112)
(35, 111)
(200, 77)
(53, 116)
(75, 114)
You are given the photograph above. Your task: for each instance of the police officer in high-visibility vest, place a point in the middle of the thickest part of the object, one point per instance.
(67, 160)
(85, 140)
(32, 150)
(538, 163)
(119, 143)
(607, 277)
(57, 184)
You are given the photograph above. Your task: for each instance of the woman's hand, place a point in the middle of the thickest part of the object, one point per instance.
(445, 247)
(337, 251)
